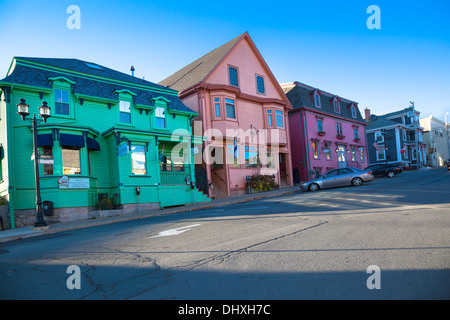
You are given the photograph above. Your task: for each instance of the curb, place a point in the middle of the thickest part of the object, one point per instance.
(30, 231)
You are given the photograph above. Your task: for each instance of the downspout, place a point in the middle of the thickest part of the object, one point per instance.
(306, 145)
(288, 138)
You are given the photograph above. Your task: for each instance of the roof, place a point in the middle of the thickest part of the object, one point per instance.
(377, 122)
(86, 77)
(301, 96)
(198, 70)
(400, 112)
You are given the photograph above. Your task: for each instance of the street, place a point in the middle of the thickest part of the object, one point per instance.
(301, 246)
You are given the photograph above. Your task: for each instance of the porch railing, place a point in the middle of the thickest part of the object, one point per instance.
(175, 178)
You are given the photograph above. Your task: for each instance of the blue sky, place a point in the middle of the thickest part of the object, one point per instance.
(325, 44)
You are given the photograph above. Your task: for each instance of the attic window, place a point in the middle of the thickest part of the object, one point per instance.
(93, 66)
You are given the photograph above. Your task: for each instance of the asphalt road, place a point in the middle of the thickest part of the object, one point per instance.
(301, 246)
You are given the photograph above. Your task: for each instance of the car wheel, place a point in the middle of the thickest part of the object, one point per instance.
(390, 174)
(313, 187)
(357, 181)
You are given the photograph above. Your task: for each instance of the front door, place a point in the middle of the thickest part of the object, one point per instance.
(342, 157)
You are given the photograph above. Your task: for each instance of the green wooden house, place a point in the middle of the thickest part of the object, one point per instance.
(109, 133)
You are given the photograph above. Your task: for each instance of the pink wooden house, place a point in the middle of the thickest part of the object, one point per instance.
(327, 132)
(243, 113)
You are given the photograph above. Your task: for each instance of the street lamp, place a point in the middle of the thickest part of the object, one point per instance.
(44, 113)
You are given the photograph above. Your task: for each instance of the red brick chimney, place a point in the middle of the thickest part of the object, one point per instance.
(367, 114)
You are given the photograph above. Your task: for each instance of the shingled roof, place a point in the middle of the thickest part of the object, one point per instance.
(198, 70)
(301, 96)
(90, 79)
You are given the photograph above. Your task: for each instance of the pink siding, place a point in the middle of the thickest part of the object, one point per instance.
(302, 147)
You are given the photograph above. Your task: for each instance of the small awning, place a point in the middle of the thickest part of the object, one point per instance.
(92, 144)
(71, 140)
(45, 140)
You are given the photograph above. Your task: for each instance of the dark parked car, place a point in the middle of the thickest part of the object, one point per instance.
(337, 178)
(388, 170)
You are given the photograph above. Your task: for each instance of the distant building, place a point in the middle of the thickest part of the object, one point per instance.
(327, 132)
(436, 138)
(396, 137)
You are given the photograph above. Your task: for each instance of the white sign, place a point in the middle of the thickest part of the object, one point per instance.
(73, 183)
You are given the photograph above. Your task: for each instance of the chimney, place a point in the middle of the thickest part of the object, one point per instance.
(367, 114)
(132, 71)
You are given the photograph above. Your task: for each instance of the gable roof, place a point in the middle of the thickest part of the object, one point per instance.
(302, 96)
(88, 78)
(198, 70)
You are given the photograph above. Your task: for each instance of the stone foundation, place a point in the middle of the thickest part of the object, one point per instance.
(28, 217)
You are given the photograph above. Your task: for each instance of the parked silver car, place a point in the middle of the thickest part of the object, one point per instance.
(337, 178)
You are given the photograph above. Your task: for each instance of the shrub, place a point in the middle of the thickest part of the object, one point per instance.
(261, 182)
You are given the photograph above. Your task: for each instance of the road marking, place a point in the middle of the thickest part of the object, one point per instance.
(174, 232)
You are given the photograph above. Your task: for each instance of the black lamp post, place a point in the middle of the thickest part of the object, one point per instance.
(44, 113)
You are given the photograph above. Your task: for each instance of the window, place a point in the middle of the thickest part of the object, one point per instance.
(404, 134)
(48, 168)
(319, 125)
(270, 158)
(269, 118)
(125, 113)
(71, 160)
(138, 160)
(233, 76)
(361, 154)
(279, 118)
(315, 146)
(62, 102)
(93, 66)
(230, 108)
(339, 129)
(260, 85)
(217, 107)
(381, 154)
(233, 156)
(336, 106)
(160, 117)
(317, 172)
(379, 137)
(252, 157)
(353, 153)
(355, 133)
(317, 100)
(327, 150)
(353, 109)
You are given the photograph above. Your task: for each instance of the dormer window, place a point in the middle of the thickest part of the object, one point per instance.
(160, 118)
(62, 102)
(317, 99)
(353, 110)
(336, 105)
(125, 112)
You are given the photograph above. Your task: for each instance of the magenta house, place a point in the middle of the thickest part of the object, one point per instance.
(326, 131)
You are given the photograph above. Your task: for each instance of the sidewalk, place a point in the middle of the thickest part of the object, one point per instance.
(30, 231)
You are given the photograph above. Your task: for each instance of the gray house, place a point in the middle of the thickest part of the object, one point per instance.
(395, 137)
